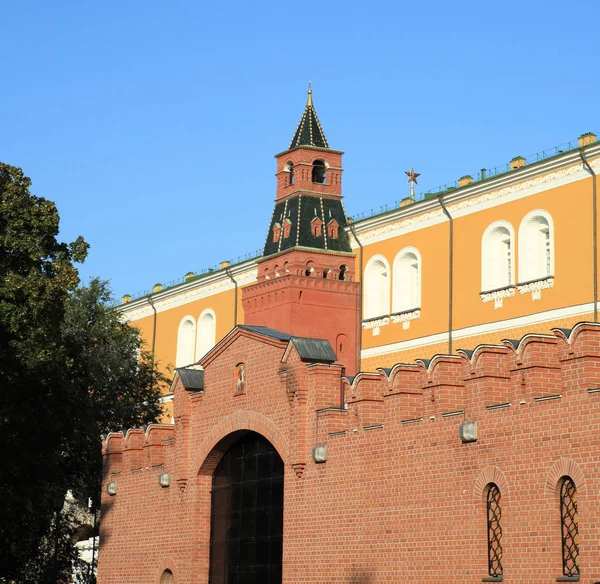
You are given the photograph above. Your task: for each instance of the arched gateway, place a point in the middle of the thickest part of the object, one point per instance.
(247, 514)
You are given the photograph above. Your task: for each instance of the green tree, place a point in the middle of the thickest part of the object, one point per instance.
(69, 371)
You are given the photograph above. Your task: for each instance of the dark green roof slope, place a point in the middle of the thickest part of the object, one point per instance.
(309, 131)
(299, 212)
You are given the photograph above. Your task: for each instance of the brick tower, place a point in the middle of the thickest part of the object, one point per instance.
(306, 282)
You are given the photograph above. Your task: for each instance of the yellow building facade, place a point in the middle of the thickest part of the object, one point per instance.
(492, 259)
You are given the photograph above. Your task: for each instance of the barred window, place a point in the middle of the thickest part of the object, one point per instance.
(570, 527)
(494, 518)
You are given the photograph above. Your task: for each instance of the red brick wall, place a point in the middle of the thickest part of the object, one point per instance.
(400, 498)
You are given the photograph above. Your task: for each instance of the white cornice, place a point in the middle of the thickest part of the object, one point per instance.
(244, 273)
(522, 183)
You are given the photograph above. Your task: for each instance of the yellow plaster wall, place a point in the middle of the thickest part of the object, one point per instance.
(167, 323)
(570, 207)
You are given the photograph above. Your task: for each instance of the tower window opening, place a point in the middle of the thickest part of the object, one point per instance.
(319, 172)
(316, 227)
(343, 270)
(332, 229)
(276, 232)
(290, 168)
(287, 226)
(325, 273)
(309, 270)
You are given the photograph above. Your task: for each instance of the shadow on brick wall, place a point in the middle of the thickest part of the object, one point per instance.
(362, 575)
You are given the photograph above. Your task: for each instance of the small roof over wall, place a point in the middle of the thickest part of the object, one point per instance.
(191, 379)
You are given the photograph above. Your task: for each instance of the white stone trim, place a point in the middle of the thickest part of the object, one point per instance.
(498, 296)
(186, 293)
(492, 327)
(375, 324)
(405, 317)
(536, 287)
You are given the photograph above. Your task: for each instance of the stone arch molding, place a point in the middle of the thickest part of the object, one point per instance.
(241, 420)
(491, 474)
(561, 468)
(167, 564)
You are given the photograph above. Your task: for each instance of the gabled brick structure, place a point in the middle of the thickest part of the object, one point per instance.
(400, 497)
(477, 466)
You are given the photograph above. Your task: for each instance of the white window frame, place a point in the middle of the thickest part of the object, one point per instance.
(376, 287)
(186, 341)
(206, 339)
(526, 273)
(399, 302)
(489, 277)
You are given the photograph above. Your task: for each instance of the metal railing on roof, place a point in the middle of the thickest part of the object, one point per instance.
(483, 174)
(201, 274)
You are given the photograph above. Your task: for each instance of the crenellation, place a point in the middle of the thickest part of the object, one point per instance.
(489, 379)
(133, 449)
(445, 388)
(366, 398)
(112, 454)
(156, 436)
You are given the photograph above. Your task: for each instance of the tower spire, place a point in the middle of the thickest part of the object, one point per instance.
(309, 131)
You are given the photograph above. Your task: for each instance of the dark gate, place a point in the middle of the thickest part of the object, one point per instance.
(247, 514)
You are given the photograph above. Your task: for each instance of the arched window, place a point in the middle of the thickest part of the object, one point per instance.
(407, 280)
(316, 227)
(569, 527)
(290, 168)
(536, 246)
(494, 531)
(186, 337)
(207, 332)
(343, 270)
(167, 577)
(319, 172)
(377, 287)
(247, 514)
(497, 265)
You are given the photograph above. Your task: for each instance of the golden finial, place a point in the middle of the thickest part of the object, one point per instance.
(309, 100)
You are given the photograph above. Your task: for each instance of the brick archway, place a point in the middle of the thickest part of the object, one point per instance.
(491, 474)
(227, 430)
(561, 468)
(167, 564)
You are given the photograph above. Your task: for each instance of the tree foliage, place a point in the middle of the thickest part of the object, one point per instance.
(70, 370)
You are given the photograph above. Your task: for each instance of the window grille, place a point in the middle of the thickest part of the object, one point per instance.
(247, 514)
(570, 528)
(494, 516)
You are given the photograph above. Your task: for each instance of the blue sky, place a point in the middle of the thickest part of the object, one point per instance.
(153, 125)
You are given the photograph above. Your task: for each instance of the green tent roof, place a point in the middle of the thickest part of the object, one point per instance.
(309, 131)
